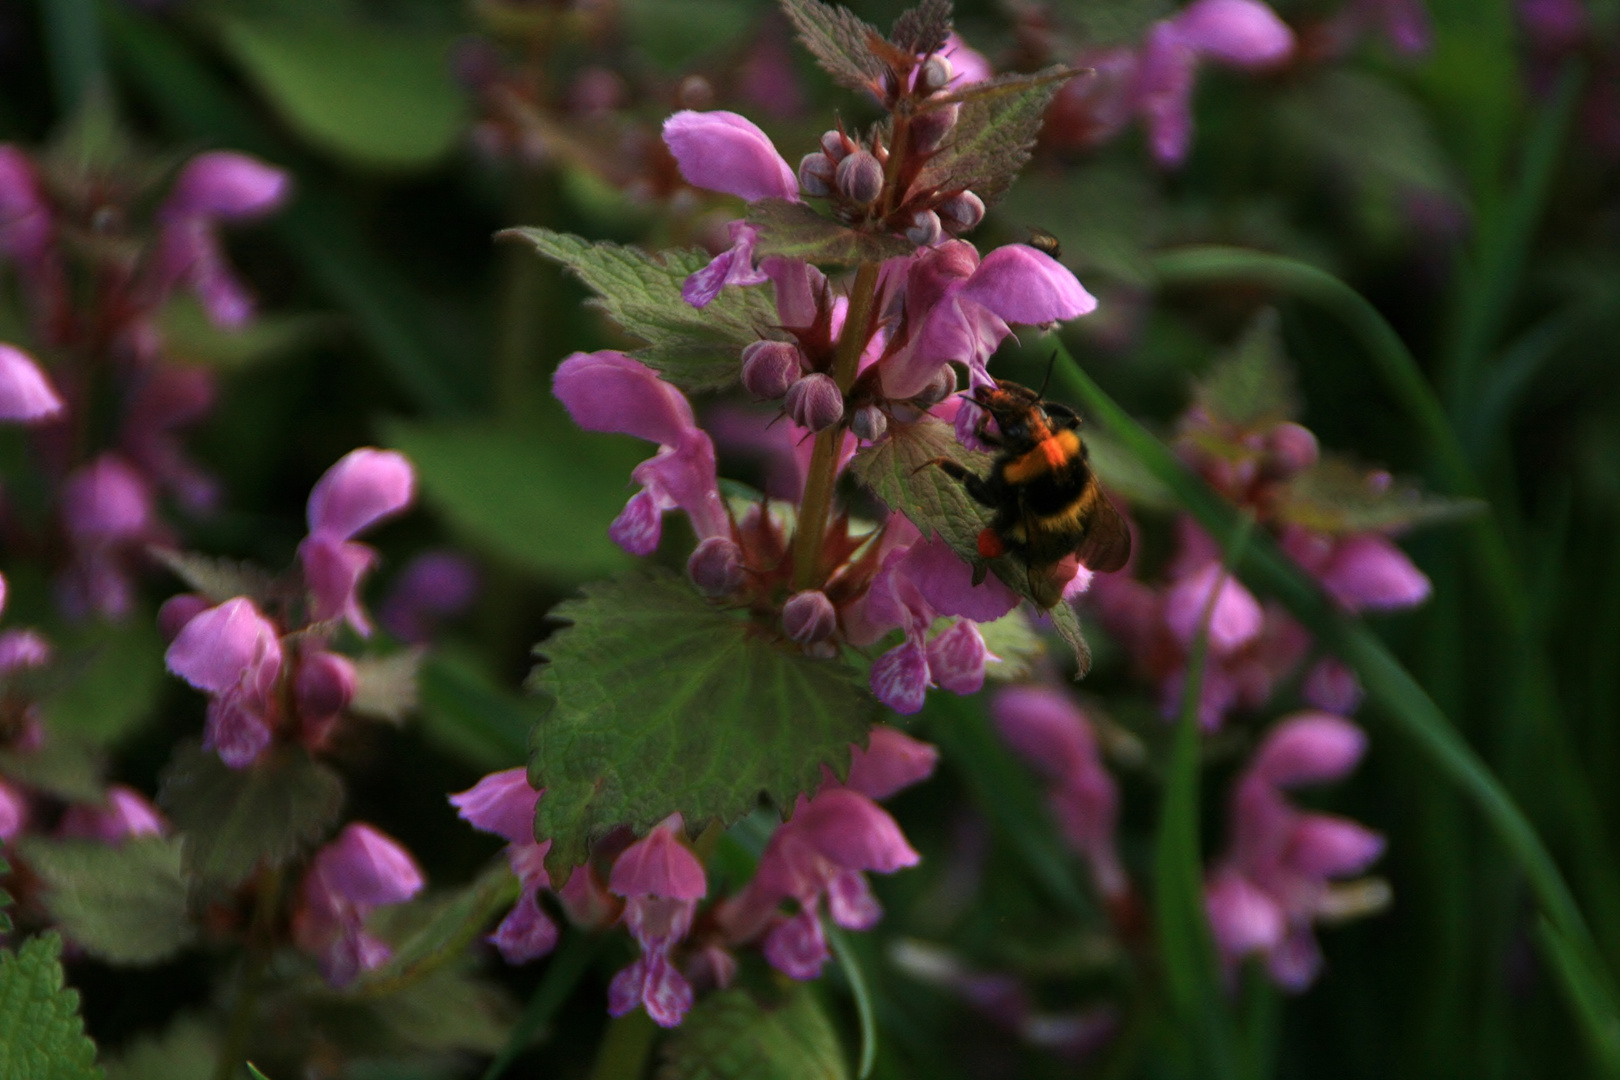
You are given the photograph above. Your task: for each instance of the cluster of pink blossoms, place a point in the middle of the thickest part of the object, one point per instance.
(654, 886)
(269, 678)
(63, 221)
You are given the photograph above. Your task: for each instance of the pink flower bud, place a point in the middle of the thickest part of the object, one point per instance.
(814, 402)
(177, 611)
(869, 423)
(936, 74)
(716, 567)
(928, 129)
(860, 178)
(798, 947)
(221, 184)
(853, 831)
(1292, 449)
(20, 649)
(106, 502)
(1246, 33)
(926, 230)
(435, 585)
(835, 145)
(956, 658)
(770, 368)
(899, 679)
(26, 395)
(527, 933)
(126, 813)
(324, 686)
(816, 172)
(1367, 571)
(940, 387)
(364, 487)
(961, 212)
(1332, 687)
(1235, 617)
(809, 617)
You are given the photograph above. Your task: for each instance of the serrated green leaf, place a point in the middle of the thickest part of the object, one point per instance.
(540, 497)
(217, 579)
(796, 231)
(897, 470)
(663, 703)
(41, 1034)
(385, 686)
(190, 336)
(695, 349)
(447, 925)
(1015, 641)
(124, 903)
(733, 1036)
(839, 40)
(65, 766)
(922, 29)
(1334, 496)
(1251, 386)
(370, 96)
(187, 1050)
(116, 673)
(234, 819)
(995, 131)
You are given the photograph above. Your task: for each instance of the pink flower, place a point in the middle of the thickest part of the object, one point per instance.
(26, 394)
(891, 762)
(125, 813)
(434, 586)
(13, 812)
(213, 188)
(608, 391)
(167, 399)
(365, 487)
(503, 803)
(1275, 880)
(661, 881)
(1048, 729)
(725, 152)
(348, 879)
(232, 653)
(1362, 571)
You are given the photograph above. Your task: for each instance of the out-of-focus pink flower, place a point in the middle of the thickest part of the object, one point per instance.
(608, 391)
(1234, 619)
(434, 586)
(1403, 23)
(214, 187)
(661, 882)
(363, 488)
(13, 812)
(1362, 571)
(28, 238)
(1276, 877)
(891, 762)
(233, 653)
(166, 399)
(322, 689)
(349, 878)
(125, 813)
(21, 649)
(970, 64)
(1048, 729)
(503, 803)
(26, 394)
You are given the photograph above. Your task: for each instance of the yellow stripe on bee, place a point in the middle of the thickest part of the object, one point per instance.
(1049, 455)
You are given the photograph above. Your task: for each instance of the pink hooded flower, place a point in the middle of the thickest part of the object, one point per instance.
(13, 812)
(1048, 729)
(1275, 879)
(609, 391)
(661, 882)
(1362, 571)
(503, 803)
(349, 878)
(214, 187)
(363, 488)
(125, 813)
(232, 653)
(26, 394)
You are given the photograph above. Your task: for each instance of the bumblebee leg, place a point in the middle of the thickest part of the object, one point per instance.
(975, 486)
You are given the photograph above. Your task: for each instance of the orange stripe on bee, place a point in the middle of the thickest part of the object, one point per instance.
(1049, 455)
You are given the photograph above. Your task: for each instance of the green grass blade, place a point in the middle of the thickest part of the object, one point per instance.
(563, 973)
(863, 998)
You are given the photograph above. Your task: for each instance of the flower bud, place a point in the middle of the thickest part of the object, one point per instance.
(869, 423)
(324, 685)
(809, 617)
(925, 230)
(716, 567)
(860, 178)
(834, 145)
(937, 73)
(929, 129)
(815, 403)
(961, 212)
(179, 610)
(1292, 449)
(769, 368)
(815, 174)
(940, 387)
(105, 502)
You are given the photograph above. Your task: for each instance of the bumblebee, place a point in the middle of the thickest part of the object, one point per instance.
(1047, 501)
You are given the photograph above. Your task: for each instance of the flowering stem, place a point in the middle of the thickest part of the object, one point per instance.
(823, 473)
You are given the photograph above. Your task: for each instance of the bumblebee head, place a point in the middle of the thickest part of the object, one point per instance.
(1018, 410)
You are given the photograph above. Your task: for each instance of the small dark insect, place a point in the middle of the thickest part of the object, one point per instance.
(1041, 240)
(1047, 500)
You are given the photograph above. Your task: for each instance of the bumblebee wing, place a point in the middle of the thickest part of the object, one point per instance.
(1106, 547)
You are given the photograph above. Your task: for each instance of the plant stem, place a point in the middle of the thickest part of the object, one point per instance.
(233, 1051)
(816, 506)
(624, 1049)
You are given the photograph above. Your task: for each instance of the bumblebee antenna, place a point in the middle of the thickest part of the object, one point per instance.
(1048, 377)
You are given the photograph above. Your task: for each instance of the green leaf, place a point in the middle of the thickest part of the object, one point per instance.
(234, 819)
(922, 29)
(851, 967)
(994, 134)
(539, 497)
(451, 923)
(41, 1034)
(116, 674)
(1334, 496)
(187, 1050)
(370, 96)
(795, 230)
(839, 40)
(1252, 386)
(663, 703)
(65, 766)
(1015, 641)
(217, 579)
(463, 711)
(448, 1010)
(385, 686)
(696, 349)
(732, 1035)
(5, 897)
(190, 336)
(253, 1071)
(124, 903)
(897, 470)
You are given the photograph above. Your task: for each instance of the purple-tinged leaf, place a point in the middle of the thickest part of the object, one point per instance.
(994, 133)
(797, 231)
(1336, 497)
(840, 41)
(922, 29)
(1252, 386)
